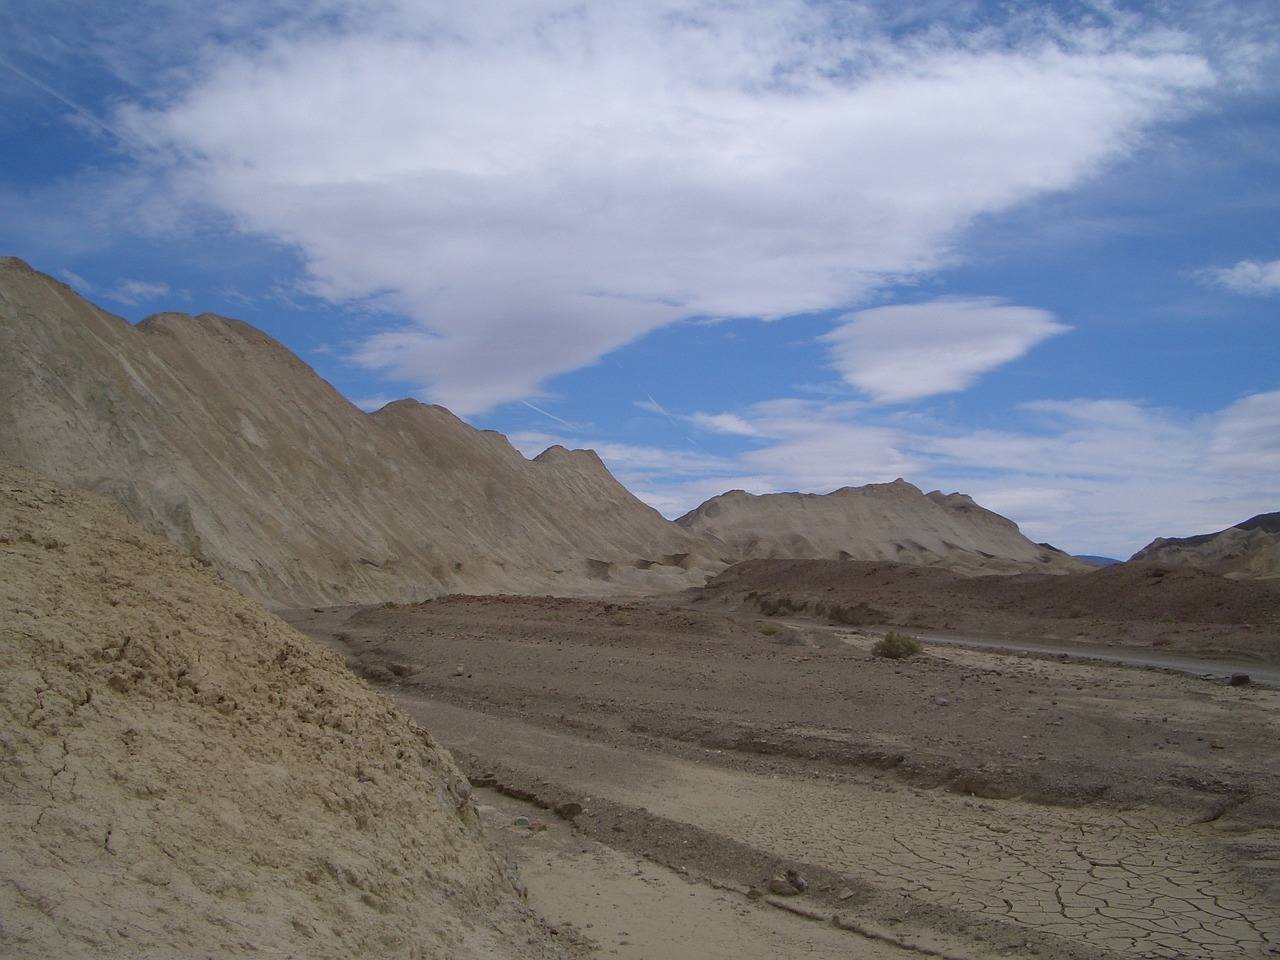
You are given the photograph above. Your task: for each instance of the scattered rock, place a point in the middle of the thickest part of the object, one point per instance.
(1239, 680)
(796, 880)
(569, 810)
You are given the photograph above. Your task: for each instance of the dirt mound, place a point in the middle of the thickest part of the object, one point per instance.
(215, 436)
(1249, 549)
(879, 521)
(1141, 591)
(184, 775)
(1140, 604)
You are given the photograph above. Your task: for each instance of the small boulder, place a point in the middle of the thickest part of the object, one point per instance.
(782, 887)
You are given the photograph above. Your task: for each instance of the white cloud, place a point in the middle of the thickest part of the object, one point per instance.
(911, 351)
(536, 184)
(1248, 277)
(729, 423)
(1246, 437)
(134, 292)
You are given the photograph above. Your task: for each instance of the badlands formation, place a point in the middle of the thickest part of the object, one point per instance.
(676, 737)
(213, 435)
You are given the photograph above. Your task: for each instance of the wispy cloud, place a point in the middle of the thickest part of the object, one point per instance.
(134, 292)
(1248, 277)
(126, 291)
(535, 184)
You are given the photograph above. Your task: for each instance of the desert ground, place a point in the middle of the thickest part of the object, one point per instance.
(729, 746)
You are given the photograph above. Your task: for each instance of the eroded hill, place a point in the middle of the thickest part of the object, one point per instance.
(215, 436)
(1249, 549)
(878, 521)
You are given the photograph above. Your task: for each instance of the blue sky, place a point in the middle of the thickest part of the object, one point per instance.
(1030, 252)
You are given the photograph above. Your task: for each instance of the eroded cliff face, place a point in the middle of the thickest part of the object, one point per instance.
(880, 521)
(184, 775)
(215, 436)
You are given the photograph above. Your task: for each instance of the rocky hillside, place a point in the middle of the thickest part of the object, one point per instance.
(215, 436)
(879, 521)
(185, 776)
(1249, 549)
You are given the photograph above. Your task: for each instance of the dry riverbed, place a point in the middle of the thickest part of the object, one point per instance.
(963, 803)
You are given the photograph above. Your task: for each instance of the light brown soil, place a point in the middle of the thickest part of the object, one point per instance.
(182, 776)
(967, 802)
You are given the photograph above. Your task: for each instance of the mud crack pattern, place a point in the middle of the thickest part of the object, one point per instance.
(1139, 884)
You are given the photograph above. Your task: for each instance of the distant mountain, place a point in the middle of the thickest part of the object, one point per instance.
(1249, 549)
(214, 435)
(1097, 561)
(879, 521)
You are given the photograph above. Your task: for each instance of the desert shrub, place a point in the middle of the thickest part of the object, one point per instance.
(855, 615)
(896, 646)
(781, 606)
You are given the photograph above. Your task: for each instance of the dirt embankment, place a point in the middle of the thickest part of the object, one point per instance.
(1140, 606)
(184, 775)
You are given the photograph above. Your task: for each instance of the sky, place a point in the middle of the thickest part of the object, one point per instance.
(1025, 251)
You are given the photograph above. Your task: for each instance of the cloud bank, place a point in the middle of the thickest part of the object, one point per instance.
(535, 184)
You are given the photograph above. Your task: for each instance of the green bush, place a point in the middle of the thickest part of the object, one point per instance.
(896, 646)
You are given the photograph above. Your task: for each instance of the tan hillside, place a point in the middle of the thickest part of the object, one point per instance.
(185, 776)
(214, 435)
(879, 521)
(1249, 549)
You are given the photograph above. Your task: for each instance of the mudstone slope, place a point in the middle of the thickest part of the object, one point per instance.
(215, 436)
